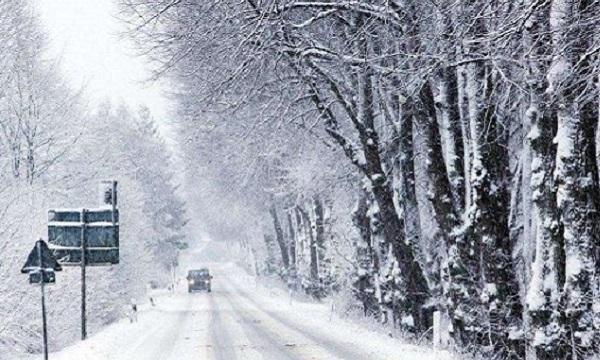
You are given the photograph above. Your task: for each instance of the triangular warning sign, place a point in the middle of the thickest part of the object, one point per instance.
(48, 260)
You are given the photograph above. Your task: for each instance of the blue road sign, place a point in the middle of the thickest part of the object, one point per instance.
(66, 231)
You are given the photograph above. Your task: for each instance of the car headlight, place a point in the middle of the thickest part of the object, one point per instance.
(191, 282)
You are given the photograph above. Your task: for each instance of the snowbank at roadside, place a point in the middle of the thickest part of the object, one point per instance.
(114, 338)
(315, 317)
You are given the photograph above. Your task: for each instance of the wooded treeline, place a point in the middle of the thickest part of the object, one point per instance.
(54, 149)
(464, 133)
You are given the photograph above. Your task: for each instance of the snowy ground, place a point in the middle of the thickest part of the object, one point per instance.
(239, 320)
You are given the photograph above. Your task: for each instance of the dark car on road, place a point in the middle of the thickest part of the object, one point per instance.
(199, 280)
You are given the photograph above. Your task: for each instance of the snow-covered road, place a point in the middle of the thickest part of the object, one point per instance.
(239, 320)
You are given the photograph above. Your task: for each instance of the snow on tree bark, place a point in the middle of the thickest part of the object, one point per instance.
(543, 298)
(292, 242)
(312, 246)
(319, 228)
(406, 178)
(393, 228)
(447, 101)
(342, 63)
(366, 258)
(576, 179)
(454, 281)
(487, 229)
(283, 249)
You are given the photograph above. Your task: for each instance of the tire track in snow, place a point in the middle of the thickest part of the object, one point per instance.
(343, 350)
(271, 345)
(222, 344)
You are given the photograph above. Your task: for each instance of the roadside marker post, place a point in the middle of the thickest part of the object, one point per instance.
(40, 266)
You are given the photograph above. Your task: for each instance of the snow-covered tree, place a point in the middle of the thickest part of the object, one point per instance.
(458, 137)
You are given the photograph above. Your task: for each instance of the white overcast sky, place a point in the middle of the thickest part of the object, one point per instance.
(85, 34)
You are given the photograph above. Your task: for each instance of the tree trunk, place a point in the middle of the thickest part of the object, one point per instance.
(448, 107)
(415, 283)
(454, 277)
(312, 244)
(299, 230)
(576, 178)
(279, 237)
(367, 262)
(488, 231)
(406, 174)
(547, 270)
(292, 242)
(362, 221)
(270, 258)
(319, 229)
(452, 135)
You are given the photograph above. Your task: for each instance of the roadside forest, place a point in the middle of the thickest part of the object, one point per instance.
(418, 156)
(54, 148)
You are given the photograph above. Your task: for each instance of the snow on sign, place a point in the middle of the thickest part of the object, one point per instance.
(99, 228)
(36, 277)
(47, 263)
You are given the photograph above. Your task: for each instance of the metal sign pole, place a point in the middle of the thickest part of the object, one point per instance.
(44, 330)
(113, 198)
(113, 214)
(83, 264)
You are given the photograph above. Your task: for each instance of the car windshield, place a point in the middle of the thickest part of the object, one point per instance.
(199, 273)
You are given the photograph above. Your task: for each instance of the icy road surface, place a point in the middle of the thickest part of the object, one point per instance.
(239, 320)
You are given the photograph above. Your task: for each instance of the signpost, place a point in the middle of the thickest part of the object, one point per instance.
(40, 266)
(87, 237)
